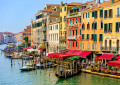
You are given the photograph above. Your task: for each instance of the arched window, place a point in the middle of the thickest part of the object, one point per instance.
(117, 45)
(110, 44)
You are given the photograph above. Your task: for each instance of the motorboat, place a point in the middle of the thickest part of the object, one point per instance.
(27, 68)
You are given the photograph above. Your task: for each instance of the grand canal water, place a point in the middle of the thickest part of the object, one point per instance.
(11, 75)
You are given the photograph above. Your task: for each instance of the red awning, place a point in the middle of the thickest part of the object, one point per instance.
(118, 57)
(106, 56)
(84, 54)
(77, 52)
(26, 48)
(32, 46)
(40, 49)
(114, 63)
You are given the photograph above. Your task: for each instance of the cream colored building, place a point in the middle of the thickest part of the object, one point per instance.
(53, 32)
(18, 37)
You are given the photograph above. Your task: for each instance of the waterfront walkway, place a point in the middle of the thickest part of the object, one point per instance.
(102, 74)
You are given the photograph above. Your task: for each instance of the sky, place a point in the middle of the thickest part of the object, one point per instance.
(15, 15)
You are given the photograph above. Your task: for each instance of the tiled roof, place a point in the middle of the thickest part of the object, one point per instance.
(104, 4)
(75, 3)
(29, 26)
(55, 13)
(47, 10)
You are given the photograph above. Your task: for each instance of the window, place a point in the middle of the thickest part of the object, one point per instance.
(95, 37)
(60, 19)
(83, 36)
(105, 14)
(88, 26)
(86, 15)
(80, 31)
(60, 26)
(83, 26)
(64, 8)
(67, 21)
(110, 13)
(70, 31)
(118, 12)
(95, 24)
(76, 31)
(101, 13)
(76, 20)
(73, 43)
(56, 26)
(117, 26)
(70, 21)
(92, 46)
(80, 20)
(61, 10)
(83, 45)
(64, 18)
(87, 36)
(101, 24)
(95, 46)
(110, 27)
(100, 37)
(92, 25)
(87, 45)
(73, 31)
(83, 15)
(105, 28)
(51, 27)
(92, 14)
(76, 43)
(73, 21)
(92, 36)
(95, 14)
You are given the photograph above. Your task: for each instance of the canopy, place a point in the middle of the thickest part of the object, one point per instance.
(118, 57)
(106, 56)
(77, 52)
(31, 50)
(32, 46)
(70, 52)
(73, 58)
(26, 48)
(40, 49)
(114, 63)
(84, 54)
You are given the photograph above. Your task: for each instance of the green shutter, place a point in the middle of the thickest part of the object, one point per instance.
(96, 37)
(119, 24)
(100, 13)
(70, 31)
(92, 14)
(83, 15)
(104, 27)
(108, 27)
(102, 37)
(86, 15)
(112, 1)
(116, 26)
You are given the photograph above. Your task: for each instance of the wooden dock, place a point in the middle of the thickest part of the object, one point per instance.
(102, 74)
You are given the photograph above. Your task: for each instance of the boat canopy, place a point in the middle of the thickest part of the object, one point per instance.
(114, 63)
(106, 56)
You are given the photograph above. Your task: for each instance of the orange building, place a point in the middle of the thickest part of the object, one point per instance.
(26, 33)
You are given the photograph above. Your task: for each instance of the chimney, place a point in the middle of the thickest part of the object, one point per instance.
(61, 3)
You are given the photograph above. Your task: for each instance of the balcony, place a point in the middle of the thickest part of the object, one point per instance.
(62, 38)
(73, 25)
(113, 49)
(75, 14)
(71, 37)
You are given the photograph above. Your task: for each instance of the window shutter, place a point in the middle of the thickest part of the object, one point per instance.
(109, 13)
(104, 27)
(102, 37)
(92, 14)
(119, 24)
(104, 14)
(70, 31)
(100, 13)
(91, 36)
(96, 37)
(108, 27)
(116, 26)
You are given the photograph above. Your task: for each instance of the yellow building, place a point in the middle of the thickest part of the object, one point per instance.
(92, 27)
(111, 22)
(63, 12)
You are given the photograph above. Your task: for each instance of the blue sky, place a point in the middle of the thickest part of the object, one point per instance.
(15, 15)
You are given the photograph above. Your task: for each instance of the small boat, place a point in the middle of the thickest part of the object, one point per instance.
(45, 64)
(27, 68)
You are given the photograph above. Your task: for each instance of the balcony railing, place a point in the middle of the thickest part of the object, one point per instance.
(71, 37)
(115, 49)
(76, 14)
(73, 25)
(62, 38)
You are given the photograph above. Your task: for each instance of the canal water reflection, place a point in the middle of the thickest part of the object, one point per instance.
(11, 75)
